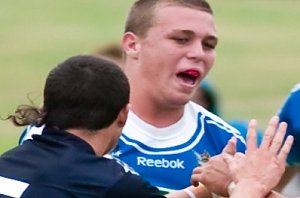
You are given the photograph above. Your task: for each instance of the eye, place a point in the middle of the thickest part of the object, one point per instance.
(209, 44)
(181, 40)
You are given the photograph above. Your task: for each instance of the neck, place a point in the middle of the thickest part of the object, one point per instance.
(156, 114)
(93, 138)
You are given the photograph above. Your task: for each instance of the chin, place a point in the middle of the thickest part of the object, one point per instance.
(181, 101)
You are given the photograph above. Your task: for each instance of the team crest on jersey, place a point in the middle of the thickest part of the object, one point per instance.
(201, 158)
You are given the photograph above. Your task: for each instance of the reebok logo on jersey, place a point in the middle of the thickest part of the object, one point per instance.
(160, 163)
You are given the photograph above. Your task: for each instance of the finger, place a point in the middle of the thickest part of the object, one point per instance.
(286, 148)
(269, 133)
(195, 180)
(230, 148)
(278, 139)
(251, 136)
(196, 176)
(197, 170)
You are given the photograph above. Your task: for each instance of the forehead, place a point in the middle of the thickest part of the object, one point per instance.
(174, 18)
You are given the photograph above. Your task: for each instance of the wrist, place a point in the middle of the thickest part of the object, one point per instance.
(247, 188)
(189, 193)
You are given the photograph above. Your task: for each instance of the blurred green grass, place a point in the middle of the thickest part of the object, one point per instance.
(257, 57)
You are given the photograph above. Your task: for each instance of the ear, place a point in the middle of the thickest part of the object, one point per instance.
(131, 45)
(122, 117)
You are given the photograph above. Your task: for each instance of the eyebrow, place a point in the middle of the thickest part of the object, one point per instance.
(191, 33)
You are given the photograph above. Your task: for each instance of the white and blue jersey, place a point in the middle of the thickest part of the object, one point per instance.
(167, 156)
(290, 113)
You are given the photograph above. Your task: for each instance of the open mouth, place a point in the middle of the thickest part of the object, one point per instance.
(189, 77)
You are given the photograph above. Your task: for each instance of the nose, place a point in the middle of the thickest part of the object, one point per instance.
(196, 51)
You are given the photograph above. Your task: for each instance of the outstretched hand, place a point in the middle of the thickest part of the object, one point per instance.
(263, 165)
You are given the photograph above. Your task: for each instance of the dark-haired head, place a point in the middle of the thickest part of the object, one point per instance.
(84, 92)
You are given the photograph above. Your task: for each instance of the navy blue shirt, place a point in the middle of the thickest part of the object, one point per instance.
(59, 164)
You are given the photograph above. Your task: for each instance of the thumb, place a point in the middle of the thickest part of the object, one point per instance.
(230, 148)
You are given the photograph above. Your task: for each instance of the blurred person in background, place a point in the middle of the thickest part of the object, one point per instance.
(113, 51)
(290, 113)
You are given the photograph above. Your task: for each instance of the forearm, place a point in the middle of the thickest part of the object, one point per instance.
(249, 190)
